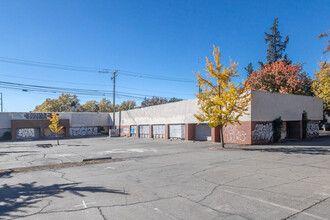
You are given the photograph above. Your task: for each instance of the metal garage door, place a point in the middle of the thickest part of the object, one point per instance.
(158, 131)
(133, 130)
(144, 131)
(203, 132)
(176, 131)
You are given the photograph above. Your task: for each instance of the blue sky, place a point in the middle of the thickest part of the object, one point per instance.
(163, 38)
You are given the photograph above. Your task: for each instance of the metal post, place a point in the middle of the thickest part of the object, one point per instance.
(1, 103)
(114, 99)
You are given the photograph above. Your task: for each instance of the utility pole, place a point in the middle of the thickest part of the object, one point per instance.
(114, 97)
(1, 103)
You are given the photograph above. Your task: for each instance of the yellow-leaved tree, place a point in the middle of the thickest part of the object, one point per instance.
(221, 101)
(321, 85)
(55, 125)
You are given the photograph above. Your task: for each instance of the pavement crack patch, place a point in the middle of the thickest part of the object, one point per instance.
(62, 175)
(305, 209)
(101, 213)
(208, 207)
(99, 207)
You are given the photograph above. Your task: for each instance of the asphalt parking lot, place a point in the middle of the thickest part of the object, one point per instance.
(163, 179)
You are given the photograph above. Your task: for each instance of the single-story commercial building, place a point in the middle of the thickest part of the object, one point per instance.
(176, 120)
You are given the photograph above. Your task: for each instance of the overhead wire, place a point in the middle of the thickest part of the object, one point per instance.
(91, 69)
(49, 89)
(88, 84)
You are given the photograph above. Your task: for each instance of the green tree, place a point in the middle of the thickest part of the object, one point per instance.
(249, 69)
(105, 105)
(153, 101)
(91, 106)
(64, 103)
(276, 47)
(221, 101)
(127, 105)
(174, 100)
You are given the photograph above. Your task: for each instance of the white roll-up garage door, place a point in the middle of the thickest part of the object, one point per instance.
(144, 131)
(158, 131)
(177, 131)
(203, 132)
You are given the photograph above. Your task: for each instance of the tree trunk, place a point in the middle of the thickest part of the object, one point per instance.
(58, 143)
(221, 136)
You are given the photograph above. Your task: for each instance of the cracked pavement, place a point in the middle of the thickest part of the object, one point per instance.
(163, 179)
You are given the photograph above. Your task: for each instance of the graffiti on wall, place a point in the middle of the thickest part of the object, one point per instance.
(24, 133)
(83, 131)
(312, 129)
(232, 134)
(37, 115)
(263, 132)
(49, 134)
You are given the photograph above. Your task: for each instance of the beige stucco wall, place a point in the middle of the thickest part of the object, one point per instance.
(172, 113)
(77, 119)
(82, 119)
(268, 106)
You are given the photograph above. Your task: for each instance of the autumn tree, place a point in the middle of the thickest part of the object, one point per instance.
(221, 101)
(321, 85)
(64, 103)
(55, 125)
(325, 34)
(281, 77)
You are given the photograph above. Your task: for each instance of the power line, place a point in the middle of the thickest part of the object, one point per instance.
(91, 69)
(49, 89)
(87, 84)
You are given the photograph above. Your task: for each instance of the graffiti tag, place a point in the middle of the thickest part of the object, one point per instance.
(262, 132)
(37, 115)
(26, 133)
(83, 131)
(312, 129)
(233, 134)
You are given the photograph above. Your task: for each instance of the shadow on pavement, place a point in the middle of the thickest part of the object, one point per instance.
(15, 152)
(293, 150)
(17, 198)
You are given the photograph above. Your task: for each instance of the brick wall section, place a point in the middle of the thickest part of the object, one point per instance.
(215, 133)
(137, 131)
(238, 133)
(124, 128)
(190, 130)
(41, 124)
(262, 132)
(166, 131)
